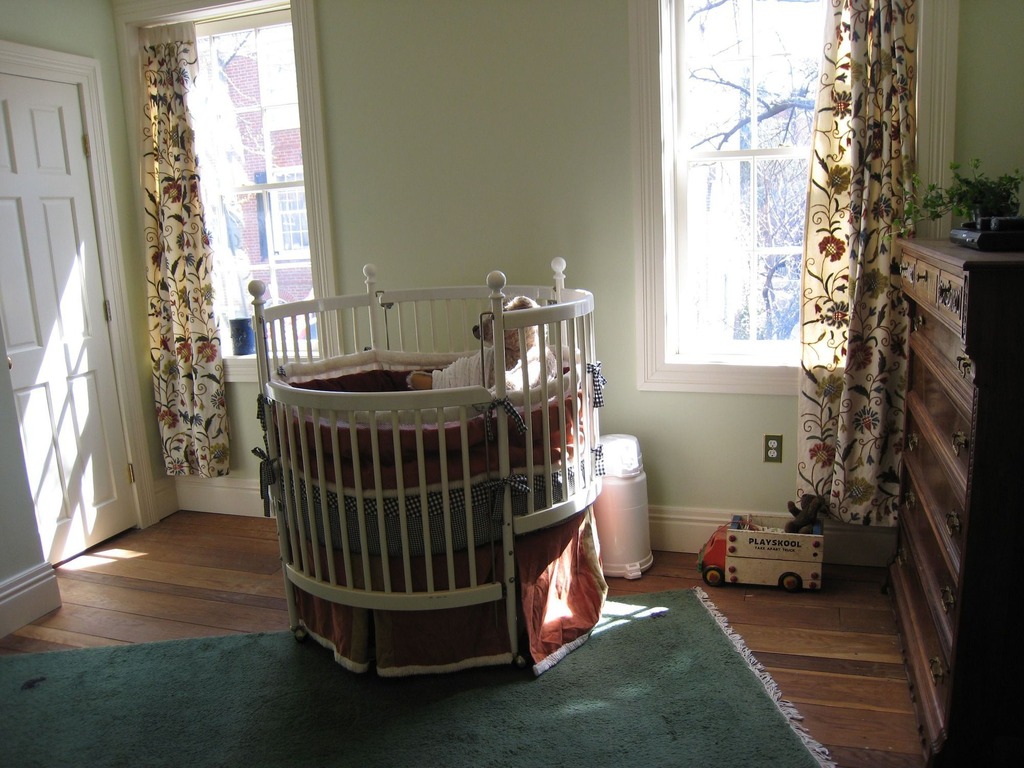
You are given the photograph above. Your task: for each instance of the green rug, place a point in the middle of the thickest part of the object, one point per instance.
(661, 682)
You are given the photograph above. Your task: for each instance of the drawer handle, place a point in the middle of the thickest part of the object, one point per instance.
(918, 322)
(963, 364)
(909, 500)
(948, 599)
(953, 522)
(904, 268)
(945, 289)
(959, 442)
(912, 440)
(922, 277)
(935, 667)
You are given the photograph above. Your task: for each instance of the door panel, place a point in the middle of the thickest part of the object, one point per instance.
(51, 300)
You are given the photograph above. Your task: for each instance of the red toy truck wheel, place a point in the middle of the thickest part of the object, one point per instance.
(791, 582)
(713, 576)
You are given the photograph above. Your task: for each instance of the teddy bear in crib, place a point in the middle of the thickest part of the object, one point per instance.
(467, 371)
(806, 515)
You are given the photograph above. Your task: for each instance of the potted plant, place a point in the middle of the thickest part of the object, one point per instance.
(971, 194)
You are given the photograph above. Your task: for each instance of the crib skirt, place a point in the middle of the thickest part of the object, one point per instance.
(561, 594)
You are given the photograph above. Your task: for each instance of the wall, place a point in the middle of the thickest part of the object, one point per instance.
(990, 85)
(465, 135)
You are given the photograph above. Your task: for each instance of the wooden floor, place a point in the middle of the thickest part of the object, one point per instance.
(833, 653)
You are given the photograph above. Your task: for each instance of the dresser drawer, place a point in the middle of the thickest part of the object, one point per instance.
(919, 279)
(934, 493)
(927, 667)
(939, 584)
(934, 335)
(950, 298)
(942, 415)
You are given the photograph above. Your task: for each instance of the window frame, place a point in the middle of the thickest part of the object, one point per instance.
(133, 15)
(651, 33)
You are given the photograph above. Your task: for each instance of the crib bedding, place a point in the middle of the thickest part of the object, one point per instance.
(408, 449)
(447, 523)
(387, 371)
(561, 589)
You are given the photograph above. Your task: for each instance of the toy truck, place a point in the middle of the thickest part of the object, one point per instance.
(756, 549)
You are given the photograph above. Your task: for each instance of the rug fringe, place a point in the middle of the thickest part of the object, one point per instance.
(787, 708)
(553, 658)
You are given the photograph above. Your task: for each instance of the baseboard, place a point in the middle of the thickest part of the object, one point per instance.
(673, 529)
(677, 529)
(27, 596)
(220, 495)
(165, 499)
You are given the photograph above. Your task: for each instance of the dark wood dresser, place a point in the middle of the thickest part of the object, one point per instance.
(956, 582)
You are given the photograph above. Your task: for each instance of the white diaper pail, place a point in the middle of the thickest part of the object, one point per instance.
(620, 511)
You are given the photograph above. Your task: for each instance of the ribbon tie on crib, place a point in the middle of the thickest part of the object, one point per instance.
(268, 472)
(513, 414)
(594, 369)
(268, 476)
(518, 483)
(599, 465)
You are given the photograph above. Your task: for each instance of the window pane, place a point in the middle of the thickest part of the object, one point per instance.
(715, 279)
(791, 27)
(718, 202)
(717, 106)
(777, 294)
(781, 202)
(717, 30)
(785, 104)
(277, 66)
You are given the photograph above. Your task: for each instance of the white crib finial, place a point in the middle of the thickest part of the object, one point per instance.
(496, 281)
(370, 273)
(257, 289)
(558, 265)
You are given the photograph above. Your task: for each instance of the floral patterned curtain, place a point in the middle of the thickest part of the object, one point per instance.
(854, 320)
(185, 349)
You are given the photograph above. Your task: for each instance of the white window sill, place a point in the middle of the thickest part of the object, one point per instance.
(730, 379)
(240, 369)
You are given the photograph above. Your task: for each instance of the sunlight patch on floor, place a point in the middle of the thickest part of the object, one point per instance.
(102, 557)
(617, 614)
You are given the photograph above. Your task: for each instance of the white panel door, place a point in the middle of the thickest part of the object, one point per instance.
(52, 304)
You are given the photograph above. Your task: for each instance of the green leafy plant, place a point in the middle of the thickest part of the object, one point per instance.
(970, 194)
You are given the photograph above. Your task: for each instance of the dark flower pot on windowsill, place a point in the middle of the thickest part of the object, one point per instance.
(243, 340)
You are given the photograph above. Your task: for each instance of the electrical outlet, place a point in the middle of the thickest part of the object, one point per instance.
(773, 448)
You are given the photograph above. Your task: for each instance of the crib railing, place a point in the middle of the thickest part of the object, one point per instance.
(442, 320)
(315, 329)
(564, 334)
(376, 568)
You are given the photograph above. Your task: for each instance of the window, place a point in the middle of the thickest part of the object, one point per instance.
(304, 222)
(721, 286)
(249, 143)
